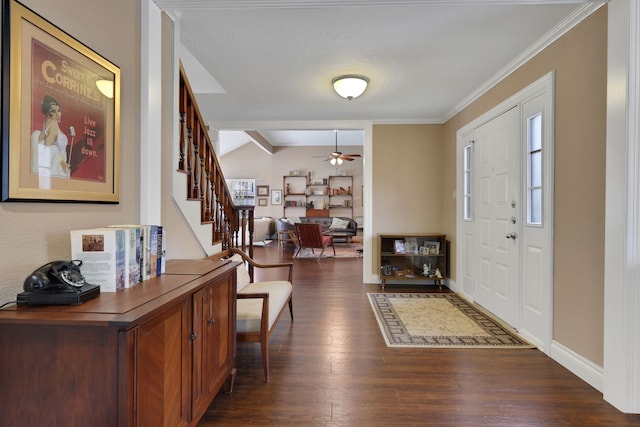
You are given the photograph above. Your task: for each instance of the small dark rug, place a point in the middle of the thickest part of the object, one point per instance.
(439, 320)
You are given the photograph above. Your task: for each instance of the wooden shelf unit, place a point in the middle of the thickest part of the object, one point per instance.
(407, 257)
(341, 195)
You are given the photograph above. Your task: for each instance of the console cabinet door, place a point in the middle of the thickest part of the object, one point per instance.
(214, 339)
(221, 335)
(163, 368)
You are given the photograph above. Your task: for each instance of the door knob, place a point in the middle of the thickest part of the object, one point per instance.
(511, 236)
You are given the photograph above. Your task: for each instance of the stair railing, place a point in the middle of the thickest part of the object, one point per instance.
(205, 180)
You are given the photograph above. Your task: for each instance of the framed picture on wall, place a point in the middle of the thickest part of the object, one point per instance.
(263, 190)
(276, 197)
(263, 201)
(61, 114)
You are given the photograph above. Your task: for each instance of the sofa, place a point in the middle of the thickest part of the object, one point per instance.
(285, 228)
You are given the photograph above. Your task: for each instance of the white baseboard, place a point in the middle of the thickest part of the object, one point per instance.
(586, 370)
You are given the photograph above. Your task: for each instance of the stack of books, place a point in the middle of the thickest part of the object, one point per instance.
(119, 256)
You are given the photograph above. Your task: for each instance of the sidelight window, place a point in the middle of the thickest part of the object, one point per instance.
(467, 182)
(534, 170)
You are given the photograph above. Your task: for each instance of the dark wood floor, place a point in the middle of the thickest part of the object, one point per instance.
(331, 367)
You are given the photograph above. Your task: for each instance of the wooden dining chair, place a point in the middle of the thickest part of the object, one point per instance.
(311, 236)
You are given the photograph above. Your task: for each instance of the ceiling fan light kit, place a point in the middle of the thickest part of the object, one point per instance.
(336, 158)
(350, 86)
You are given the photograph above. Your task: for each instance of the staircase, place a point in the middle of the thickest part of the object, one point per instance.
(205, 181)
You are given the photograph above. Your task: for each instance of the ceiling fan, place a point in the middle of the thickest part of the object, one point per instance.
(336, 157)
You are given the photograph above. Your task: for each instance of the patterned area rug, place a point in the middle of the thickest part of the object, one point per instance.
(342, 251)
(439, 320)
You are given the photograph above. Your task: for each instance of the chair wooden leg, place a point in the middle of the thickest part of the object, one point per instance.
(264, 348)
(291, 308)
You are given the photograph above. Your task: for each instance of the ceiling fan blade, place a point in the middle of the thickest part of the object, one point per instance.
(352, 155)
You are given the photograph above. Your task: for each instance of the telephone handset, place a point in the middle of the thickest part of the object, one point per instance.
(56, 276)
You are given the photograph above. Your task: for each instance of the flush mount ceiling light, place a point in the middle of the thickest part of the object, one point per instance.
(350, 86)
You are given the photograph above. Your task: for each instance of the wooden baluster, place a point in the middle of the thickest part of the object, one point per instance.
(189, 148)
(183, 123)
(195, 191)
(206, 185)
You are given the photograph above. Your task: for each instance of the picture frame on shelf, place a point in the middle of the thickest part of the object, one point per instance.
(263, 191)
(411, 245)
(434, 247)
(424, 250)
(398, 246)
(263, 201)
(45, 159)
(276, 197)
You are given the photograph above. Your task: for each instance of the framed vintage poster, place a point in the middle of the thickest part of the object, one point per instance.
(60, 114)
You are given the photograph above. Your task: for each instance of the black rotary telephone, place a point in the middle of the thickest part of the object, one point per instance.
(55, 276)
(57, 282)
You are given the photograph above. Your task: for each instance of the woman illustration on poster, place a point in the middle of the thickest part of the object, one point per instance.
(49, 146)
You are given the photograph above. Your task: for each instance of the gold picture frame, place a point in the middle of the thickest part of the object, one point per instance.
(60, 114)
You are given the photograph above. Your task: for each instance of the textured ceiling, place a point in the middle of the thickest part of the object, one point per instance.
(274, 59)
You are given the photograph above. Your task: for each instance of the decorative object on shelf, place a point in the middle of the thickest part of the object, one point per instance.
(350, 86)
(43, 159)
(411, 245)
(263, 190)
(434, 248)
(398, 247)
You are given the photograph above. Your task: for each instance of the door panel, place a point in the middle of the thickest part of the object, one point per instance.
(497, 174)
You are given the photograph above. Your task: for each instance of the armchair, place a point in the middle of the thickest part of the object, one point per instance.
(311, 236)
(260, 305)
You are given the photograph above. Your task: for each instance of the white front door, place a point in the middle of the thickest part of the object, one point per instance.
(496, 180)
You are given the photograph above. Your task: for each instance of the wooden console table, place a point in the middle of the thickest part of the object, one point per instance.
(152, 355)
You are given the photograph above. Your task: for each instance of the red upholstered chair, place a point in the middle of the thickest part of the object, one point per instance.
(310, 236)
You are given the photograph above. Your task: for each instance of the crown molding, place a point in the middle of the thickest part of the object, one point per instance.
(279, 4)
(562, 28)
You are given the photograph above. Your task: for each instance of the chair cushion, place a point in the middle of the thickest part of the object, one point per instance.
(249, 311)
(243, 278)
